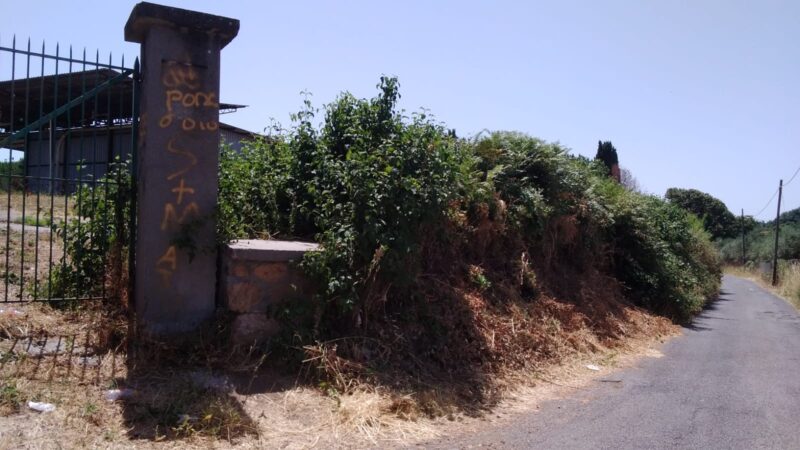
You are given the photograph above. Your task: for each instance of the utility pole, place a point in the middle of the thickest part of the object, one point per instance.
(777, 230)
(744, 258)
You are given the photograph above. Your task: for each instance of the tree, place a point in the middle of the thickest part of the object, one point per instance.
(627, 179)
(748, 224)
(608, 155)
(717, 219)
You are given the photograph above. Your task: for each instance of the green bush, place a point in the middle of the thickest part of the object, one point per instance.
(375, 187)
(760, 241)
(11, 173)
(258, 192)
(664, 256)
(363, 185)
(716, 217)
(95, 238)
(660, 252)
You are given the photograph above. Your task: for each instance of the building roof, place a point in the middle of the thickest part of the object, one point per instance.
(22, 101)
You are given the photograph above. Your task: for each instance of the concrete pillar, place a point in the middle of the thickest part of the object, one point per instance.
(178, 158)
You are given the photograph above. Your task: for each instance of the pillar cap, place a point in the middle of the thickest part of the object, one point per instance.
(146, 15)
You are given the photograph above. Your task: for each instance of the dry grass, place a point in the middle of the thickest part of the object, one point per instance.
(790, 285)
(41, 205)
(184, 402)
(175, 410)
(25, 261)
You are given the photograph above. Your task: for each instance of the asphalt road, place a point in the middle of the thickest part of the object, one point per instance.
(731, 382)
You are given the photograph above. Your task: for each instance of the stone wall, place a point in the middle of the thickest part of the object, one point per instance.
(256, 277)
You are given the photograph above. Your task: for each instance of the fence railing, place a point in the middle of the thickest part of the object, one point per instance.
(66, 136)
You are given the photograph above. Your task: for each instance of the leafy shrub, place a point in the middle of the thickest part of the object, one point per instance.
(716, 217)
(760, 240)
(660, 252)
(363, 185)
(257, 184)
(95, 238)
(376, 188)
(664, 256)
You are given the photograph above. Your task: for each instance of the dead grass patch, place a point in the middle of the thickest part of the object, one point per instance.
(190, 404)
(26, 260)
(41, 205)
(179, 406)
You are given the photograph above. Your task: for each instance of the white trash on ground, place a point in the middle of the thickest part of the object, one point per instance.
(41, 407)
(118, 394)
(593, 367)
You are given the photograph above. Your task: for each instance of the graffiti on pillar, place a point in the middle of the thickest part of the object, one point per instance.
(187, 109)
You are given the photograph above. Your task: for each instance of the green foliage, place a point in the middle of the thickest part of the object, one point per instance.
(363, 185)
(659, 252)
(792, 216)
(95, 237)
(258, 184)
(717, 219)
(663, 255)
(760, 240)
(9, 173)
(478, 278)
(41, 221)
(526, 172)
(376, 188)
(607, 154)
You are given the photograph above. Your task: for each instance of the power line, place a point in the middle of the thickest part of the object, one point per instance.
(776, 193)
(790, 179)
(767, 205)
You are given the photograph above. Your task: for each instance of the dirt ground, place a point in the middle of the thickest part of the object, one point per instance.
(262, 409)
(44, 205)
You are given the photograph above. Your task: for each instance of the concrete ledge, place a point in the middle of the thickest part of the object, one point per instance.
(259, 250)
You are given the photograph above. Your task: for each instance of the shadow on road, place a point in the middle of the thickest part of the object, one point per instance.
(702, 321)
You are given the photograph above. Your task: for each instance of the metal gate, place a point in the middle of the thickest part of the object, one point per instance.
(68, 131)
(68, 134)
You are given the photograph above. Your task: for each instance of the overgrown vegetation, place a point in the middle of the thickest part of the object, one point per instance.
(11, 173)
(789, 282)
(754, 260)
(716, 217)
(432, 243)
(95, 238)
(760, 240)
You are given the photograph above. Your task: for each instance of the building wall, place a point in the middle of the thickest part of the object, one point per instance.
(233, 138)
(85, 155)
(78, 155)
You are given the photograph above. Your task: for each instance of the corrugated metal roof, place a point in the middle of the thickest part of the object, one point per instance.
(26, 98)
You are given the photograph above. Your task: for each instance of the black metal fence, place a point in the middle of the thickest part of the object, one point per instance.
(68, 129)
